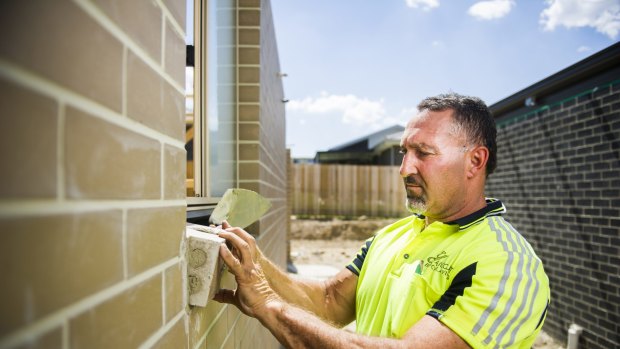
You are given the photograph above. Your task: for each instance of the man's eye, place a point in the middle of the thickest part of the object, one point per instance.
(402, 151)
(422, 154)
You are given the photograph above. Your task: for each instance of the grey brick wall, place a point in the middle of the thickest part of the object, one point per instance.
(559, 176)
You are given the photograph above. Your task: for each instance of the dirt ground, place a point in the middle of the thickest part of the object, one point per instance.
(335, 243)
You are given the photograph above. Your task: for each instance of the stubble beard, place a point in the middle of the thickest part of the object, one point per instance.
(415, 203)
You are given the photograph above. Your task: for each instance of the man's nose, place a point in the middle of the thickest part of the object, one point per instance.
(408, 166)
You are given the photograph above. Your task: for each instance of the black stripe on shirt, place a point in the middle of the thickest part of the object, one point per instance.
(542, 317)
(356, 264)
(461, 281)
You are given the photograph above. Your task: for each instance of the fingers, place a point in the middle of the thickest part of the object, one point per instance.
(231, 262)
(249, 239)
(244, 235)
(239, 244)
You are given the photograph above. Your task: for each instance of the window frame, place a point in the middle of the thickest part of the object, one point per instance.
(202, 199)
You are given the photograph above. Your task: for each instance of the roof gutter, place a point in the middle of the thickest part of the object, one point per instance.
(605, 59)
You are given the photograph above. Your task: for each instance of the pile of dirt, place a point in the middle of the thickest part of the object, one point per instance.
(336, 229)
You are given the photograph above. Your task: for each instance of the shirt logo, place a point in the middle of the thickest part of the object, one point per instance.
(439, 264)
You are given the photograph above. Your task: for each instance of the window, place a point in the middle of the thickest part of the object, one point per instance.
(211, 94)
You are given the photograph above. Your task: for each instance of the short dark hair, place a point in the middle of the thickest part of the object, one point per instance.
(473, 115)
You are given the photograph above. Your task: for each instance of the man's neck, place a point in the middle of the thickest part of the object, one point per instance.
(464, 211)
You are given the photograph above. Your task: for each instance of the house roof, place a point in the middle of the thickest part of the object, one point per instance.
(373, 139)
(593, 70)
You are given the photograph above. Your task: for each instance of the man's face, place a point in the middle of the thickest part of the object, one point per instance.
(433, 166)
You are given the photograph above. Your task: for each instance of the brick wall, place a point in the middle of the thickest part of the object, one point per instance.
(92, 194)
(92, 191)
(559, 176)
(261, 167)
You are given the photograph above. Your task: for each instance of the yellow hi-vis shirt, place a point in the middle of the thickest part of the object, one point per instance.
(477, 275)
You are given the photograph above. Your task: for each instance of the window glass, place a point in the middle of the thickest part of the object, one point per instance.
(210, 107)
(221, 95)
(189, 98)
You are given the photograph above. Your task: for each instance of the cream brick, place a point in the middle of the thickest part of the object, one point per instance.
(254, 228)
(249, 171)
(241, 330)
(175, 54)
(152, 101)
(249, 75)
(252, 185)
(250, 337)
(173, 339)
(249, 17)
(249, 112)
(174, 291)
(174, 172)
(230, 342)
(48, 262)
(249, 93)
(233, 315)
(141, 20)
(217, 334)
(248, 152)
(29, 122)
(249, 55)
(249, 131)
(249, 36)
(49, 340)
(153, 236)
(249, 3)
(105, 161)
(60, 42)
(177, 9)
(124, 321)
(199, 320)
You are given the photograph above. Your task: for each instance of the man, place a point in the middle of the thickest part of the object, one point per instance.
(455, 274)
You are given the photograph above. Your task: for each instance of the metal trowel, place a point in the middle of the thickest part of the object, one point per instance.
(240, 208)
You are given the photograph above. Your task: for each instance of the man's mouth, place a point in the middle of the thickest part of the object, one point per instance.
(412, 183)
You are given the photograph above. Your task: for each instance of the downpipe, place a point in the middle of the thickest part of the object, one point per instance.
(574, 331)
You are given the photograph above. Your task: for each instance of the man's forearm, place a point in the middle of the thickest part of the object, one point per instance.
(307, 294)
(296, 328)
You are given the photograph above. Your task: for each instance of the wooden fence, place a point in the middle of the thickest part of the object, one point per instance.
(347, 190)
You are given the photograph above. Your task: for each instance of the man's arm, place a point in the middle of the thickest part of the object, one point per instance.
(333, 300)
(297, 328)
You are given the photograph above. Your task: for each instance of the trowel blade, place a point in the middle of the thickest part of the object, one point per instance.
(240, 207)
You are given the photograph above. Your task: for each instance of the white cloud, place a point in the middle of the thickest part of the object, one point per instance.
(354, 110)
(425, 5)
(603, 15)
(491, 9)
(583, 49)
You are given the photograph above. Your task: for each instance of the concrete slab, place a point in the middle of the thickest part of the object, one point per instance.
(316, 271)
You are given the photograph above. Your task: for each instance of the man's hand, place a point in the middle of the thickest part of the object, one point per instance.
(297, 328)
(253, 292)
(257, 255)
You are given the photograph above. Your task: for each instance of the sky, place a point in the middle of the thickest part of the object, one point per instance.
(357, 66)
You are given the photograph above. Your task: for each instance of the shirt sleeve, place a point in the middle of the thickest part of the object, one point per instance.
(358, 261)
(499, 300)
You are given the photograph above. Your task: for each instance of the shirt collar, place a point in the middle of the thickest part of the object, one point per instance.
(494, 207)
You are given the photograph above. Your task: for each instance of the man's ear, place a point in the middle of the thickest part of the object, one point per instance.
(478, 157)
